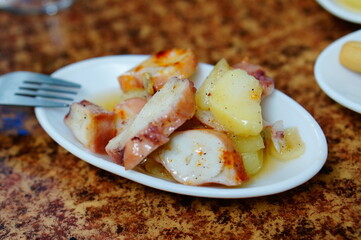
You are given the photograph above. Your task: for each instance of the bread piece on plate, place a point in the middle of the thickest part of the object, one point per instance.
(91, 124)
(350, 55)
(168, 109)
(202, 157)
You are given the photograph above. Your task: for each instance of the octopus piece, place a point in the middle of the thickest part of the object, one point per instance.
(256, 71)
(91, 124)
(202, 157)
(156, 70)
(168, 109)
(127, 111)
(276, 133)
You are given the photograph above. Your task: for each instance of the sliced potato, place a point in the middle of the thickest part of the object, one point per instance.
(253, 161)
(156, 169)
(292, 147)
(248, 144)
(204, 92)
(251, 149)
(235, 103)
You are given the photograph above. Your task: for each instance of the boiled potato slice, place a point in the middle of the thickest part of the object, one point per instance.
(156, 169)
(253, 161)
(204, 92)
(251, 149)
(292, 148)
(248, 144)
(235, 103)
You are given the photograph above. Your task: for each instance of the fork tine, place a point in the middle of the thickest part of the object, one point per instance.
(23, 88)
(52, 81)
(36, 102)
(32, 77)
(35, 94)
(48, 90)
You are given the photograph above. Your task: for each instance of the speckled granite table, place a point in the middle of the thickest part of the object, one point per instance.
(47, 193)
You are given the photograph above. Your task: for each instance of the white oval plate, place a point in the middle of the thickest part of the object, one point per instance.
(341, 11)
(99, 75)
(338, 82)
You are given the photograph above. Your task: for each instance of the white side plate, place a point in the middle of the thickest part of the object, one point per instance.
(341, 11)
(338, 82)
(99, 75)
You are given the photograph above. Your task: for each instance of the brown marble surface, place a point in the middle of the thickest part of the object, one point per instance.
(47, 193)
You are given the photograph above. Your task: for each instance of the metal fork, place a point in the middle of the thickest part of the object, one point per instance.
(23, 88)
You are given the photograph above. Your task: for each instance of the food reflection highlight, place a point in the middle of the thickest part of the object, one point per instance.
(164, 127)
(351, 4)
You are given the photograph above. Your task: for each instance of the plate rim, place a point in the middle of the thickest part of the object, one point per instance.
(324, 84)
(207, 192)
(340, 11)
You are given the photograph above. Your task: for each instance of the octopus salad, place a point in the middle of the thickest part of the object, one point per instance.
(165, 127)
